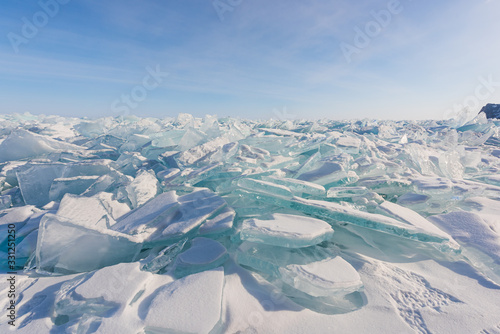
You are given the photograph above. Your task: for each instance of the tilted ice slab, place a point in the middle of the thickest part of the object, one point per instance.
(378, 222)
(335, 212)
(157, 262)
(112, 182)
(286, 230)
(194, 209)
(65, 247)
(203, 254)
(298, 187)
(97, 167)
(143, 188)
(326, 173)
(349, 141)
(5, 201)
(221, 223)
(90, 211)
(199, 152)
(191, 304)
(18, 216)
(25, 248)
(411, 217)
(346, 191)
(35, 181)
(22, 144)
(168, 216)
(70, 185)
(322, 278)
(265, 187)
(145, 220)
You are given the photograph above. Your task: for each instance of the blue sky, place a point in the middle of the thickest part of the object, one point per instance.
(251, 59)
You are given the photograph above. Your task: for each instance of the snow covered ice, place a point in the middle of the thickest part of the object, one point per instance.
(207, 225)
(286, 230)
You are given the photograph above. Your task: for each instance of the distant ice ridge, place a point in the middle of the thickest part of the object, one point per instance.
(172, 215)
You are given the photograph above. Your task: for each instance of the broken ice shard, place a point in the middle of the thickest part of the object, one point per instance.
(22, 144)
(194, 209)
(269, 259)
(286, 230)
(64, 247)
(70, 185)
(344, 213)
(35, 181)
(143, 188)
(328, 172)
(298, 187)
(5, 201)
(168, 217)
(411, 217)
(91, 211)
(158, 262)
(345, 192)
(145, 220)
(220, 224)
(18, 216)
(265, 187)
(327, 277)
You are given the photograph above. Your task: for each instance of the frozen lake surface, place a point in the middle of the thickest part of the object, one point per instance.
(222, 225)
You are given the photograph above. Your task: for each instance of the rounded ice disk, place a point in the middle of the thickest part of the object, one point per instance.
(202, 251)
(204, 254)
(328, 277)
(286, 231)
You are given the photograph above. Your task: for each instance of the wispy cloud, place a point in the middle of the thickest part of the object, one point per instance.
(267, 54)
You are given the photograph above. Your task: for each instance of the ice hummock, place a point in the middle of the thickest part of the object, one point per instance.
(115, 214)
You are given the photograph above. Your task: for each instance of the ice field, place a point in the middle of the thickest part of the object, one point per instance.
(225, 225)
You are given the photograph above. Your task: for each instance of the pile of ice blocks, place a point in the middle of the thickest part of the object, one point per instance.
(167, 207)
